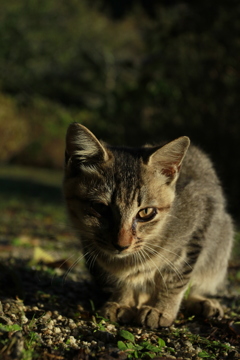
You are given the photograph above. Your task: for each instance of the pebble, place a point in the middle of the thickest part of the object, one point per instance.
(5, 320)
(24, 319)
(50, 325)
(72, 326)
(189, 345)
(6, 307)
(111, 327)
(46, 316)
(57, 330)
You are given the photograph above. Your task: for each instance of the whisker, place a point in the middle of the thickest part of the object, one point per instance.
(64, 262)
(156, 267)
(172, 252)
(94, 256)
(141, 258)
(172, 266)
(73, 265)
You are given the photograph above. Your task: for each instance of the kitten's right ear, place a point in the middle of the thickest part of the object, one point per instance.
(168, 159)
(83, 146)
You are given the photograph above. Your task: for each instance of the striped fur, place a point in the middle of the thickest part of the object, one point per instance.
(152, 222)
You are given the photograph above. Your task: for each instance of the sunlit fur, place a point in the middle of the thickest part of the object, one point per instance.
(149, 264)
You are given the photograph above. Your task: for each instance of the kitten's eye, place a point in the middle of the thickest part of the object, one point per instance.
(146, 214)
(99, 209)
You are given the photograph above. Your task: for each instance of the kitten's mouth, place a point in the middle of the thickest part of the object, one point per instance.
(121, 251)
(116, 253)
(120, 254)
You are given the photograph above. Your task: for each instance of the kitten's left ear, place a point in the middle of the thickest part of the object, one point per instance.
(82, 145)
(168, 159)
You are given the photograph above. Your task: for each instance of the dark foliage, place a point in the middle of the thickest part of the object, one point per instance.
(133, 71)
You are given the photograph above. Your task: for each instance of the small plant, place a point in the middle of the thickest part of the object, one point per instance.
(206, 355)
(31, 342)
(101, 324)
(138, 350)
(10, 328)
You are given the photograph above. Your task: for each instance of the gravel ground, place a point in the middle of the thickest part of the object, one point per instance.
(45, 316)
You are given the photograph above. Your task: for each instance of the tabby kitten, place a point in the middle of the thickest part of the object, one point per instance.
(152, 223)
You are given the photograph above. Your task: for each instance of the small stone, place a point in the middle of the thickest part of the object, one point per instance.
(111, 327)
(48, 332)
(72, 340)
(46, 316)
(6, 307)
(57, 330)
(72, 326)
(5, 320)
(189, 345)
(24, 319)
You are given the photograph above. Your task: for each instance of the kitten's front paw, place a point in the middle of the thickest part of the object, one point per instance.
(116, 312)
(204, 307)
(153, 318)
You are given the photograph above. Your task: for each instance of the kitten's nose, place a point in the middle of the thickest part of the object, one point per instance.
(124, 239)
(120, 248)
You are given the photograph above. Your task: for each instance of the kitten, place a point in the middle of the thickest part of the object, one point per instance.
(152, 223)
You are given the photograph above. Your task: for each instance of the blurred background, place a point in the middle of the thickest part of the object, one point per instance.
(133, 71)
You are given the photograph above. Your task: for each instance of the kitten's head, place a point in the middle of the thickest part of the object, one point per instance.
(118, 198)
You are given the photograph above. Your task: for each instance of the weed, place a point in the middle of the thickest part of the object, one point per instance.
(10, 328)
(101, 324)
(138, 350)
(92, 305)
(205, 354)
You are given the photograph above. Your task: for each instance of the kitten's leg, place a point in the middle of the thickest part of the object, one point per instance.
(201, 305)
(121, 306)
(161, 312)
(210, 273)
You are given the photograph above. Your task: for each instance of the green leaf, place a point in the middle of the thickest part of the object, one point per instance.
(204, 354)
(144, 344)
(121, 345)
(149, 354)
(127, 335)
(161, 342)
(138, 347)
(187, 292)
(101, 317)
(136, 355)
(92, 305)
(14, 327)
(151, 347)
(148, 346)
(130, 346)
